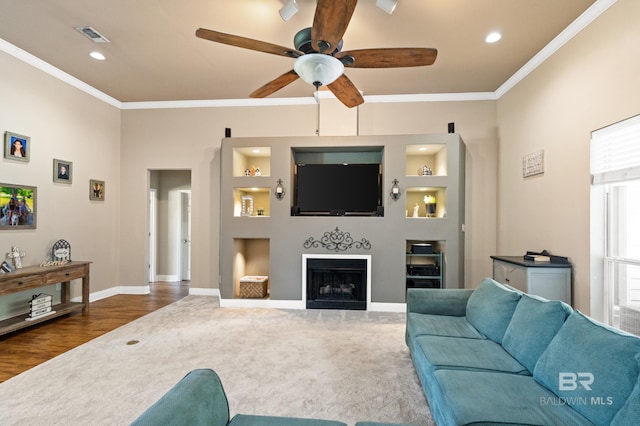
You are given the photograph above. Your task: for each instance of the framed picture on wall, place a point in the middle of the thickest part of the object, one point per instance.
(96, 190)
(62, 171)
(17, 147)
(17, 206)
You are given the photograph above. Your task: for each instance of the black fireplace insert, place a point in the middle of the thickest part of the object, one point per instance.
(337, 284)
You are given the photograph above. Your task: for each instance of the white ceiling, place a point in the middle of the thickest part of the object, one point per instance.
(153, 54)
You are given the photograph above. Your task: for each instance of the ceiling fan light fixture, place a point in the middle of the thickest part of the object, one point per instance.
(387, 5)
(318, 69)
(288, 10)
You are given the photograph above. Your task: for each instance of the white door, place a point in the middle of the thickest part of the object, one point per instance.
(185, 236)
(153, 229)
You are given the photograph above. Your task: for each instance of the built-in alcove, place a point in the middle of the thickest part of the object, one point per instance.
(431, 202)
(425, 261)
(426, 160)
(252, 161)
(251, 260)
(251, 202)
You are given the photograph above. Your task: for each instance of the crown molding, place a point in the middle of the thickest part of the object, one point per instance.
(593, 12)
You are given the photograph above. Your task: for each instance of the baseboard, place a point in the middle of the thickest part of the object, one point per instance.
(195, 291)
(388, 307)
(167, 278)
(261, 303)
(114, 291)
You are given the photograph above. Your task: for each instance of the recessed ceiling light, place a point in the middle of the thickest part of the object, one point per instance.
(97, 55)
(493, 37)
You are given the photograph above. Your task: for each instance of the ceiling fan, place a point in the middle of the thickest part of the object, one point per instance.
(318, 55)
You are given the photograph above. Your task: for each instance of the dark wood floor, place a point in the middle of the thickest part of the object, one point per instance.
(24, 349)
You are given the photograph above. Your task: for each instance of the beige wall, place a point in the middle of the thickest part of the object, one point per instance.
(67, 124)
(190, 139)
(589, 83)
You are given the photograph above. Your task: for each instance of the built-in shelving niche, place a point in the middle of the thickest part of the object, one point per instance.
(433, 156)
(251, 202)
(251, 258)
(252, 161)
(431, 202)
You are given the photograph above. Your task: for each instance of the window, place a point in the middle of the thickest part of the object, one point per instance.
(615, 169)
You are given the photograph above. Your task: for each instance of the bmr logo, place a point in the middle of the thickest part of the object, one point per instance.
(572, 381)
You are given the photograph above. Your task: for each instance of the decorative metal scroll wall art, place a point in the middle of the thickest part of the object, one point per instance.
(337, 240)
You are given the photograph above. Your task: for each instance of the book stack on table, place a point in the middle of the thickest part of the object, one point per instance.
(40, 305)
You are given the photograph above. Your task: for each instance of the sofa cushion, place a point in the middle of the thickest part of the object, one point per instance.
(534, 323)
(439, 325)
(250, 420)
(491, 307)
(591, 366)
(630, 412)
(197, 399)
(488, 398)
(469, 354)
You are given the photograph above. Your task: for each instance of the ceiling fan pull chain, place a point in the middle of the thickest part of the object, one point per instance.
(317, 112)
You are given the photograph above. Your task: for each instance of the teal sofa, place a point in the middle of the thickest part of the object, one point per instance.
(495, 355)
(199, 399)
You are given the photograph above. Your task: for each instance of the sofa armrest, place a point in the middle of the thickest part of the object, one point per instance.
(197, 399)
(438, 301)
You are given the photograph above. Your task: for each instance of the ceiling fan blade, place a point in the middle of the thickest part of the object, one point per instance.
(330, 23)
(247, 43)
(275, 85)
(389, 57)
(346, 91)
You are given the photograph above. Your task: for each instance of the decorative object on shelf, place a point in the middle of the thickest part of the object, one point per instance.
(257, 172)
(415, 209)
(425, 171)
(247, 205)
(430, 205)
(17, 147)
(247, 172)
(279, 190)
(15, 255)
(337, 240)
(40, 305)
(260, 212)
(395, 190)
(19, 210)
(62, 171)
(96, 190)
(6, 267)
(61, 250)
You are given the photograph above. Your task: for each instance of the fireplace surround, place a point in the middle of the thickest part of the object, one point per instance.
(336, 281)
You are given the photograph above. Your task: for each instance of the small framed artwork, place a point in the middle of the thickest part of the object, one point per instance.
(16, 147)
(96, 190)
(62, 171)
(17, 206)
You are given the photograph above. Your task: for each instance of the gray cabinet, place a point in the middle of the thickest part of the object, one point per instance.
(549, 280)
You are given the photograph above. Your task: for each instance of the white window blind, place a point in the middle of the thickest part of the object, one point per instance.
(615, 152)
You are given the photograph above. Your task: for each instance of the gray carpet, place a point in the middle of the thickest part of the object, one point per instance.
(342, 365)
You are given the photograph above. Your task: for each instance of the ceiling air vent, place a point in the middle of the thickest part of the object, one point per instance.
(92, 34)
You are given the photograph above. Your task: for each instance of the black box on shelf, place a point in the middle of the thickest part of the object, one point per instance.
(421, 248)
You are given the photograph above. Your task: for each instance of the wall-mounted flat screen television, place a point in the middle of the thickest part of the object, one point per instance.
(338, 190)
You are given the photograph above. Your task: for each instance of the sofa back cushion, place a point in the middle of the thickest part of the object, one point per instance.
(534, 323)
(197, 399)
(490, 308)
(630, 412)
(592, 367)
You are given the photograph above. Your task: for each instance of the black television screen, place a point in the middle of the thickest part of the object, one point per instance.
(338, 189)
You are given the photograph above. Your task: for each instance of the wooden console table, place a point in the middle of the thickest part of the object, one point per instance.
(33, 277)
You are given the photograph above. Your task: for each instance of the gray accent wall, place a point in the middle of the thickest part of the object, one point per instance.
(388, 235)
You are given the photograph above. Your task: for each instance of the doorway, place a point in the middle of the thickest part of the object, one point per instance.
(170, 237)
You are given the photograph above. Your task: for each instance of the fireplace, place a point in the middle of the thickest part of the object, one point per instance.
(336, 281)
